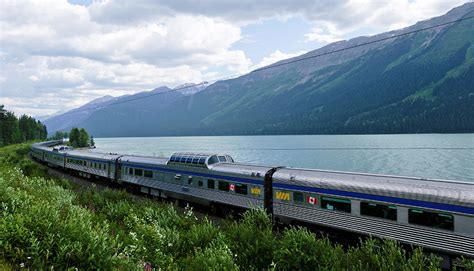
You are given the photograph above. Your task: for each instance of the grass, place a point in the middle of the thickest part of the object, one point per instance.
(47, 225)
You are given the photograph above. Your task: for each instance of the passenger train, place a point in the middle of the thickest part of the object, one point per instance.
(434, 214)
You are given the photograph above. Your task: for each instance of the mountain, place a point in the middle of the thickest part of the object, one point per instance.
(67, 120)
(417, 83)
(101, 106)
(191, 88)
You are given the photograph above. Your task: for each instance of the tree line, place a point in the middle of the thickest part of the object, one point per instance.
(16, 130)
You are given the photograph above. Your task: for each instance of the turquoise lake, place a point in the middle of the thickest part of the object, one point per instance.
(441, 156)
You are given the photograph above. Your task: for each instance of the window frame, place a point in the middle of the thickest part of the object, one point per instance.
(427, 221)
(346, 202)
(239, 191)
(366, 211)
(148, 171)
(136, 170)
(223, 188)
(209, 182)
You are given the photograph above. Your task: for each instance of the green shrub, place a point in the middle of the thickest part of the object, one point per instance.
(374, 254)
(40, 227)
(217, 256)
(251, 240)
(299, 249)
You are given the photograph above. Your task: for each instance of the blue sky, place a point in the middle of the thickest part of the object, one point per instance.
(56, 55)
(263, 38)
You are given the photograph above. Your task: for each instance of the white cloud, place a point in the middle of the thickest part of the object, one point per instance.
(375, 17)
(275, 57)
(55, 47)
(56, 56)
(324, 33)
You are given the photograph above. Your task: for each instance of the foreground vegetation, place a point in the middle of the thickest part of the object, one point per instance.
(45, 223)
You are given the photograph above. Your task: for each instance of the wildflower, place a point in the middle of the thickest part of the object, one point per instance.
(147, 267)
(169, 244)
(22, 265)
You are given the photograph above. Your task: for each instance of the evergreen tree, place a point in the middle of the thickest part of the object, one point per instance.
(83, 138)
(74, 137)
(43, 131)
(2, 123)
(11, 131)
(78, 138)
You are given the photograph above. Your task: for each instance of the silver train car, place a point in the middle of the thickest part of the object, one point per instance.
(434, 214)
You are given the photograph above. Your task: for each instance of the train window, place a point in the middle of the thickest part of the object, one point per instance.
(224, 186)
(431, 219)
(298, 197)
(212, 160)
(190, 180)
(378, 210)
(200, 183)
(196, 160)
(202, 161)
(130, 171)
(148, 173)
(183, 159)
(336, 204)
(189, 160)
(210, 184)
(138, 172)
(241, 189)
(222, 159)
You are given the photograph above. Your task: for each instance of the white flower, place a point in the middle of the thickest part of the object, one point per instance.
(22, 265)
(169, 244)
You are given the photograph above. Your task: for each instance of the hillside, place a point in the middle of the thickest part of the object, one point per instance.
(417, 83)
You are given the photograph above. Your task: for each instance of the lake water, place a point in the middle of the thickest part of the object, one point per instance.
(442, 156)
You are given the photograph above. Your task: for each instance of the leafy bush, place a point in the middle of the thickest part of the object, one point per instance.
(251, 240)
(41, 227)
(217, 256)
(374, 254)
(299, 248)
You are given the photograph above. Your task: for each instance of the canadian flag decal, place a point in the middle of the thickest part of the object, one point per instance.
(232, 187)
(312, 200)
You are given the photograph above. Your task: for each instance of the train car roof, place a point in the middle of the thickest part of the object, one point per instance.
(243, 169)
(144, 159)
(444, 191)
(92, 155)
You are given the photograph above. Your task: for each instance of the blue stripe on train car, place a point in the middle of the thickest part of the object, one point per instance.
(88, 159)
(411, 202)
(417, 203)
(200, 174)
